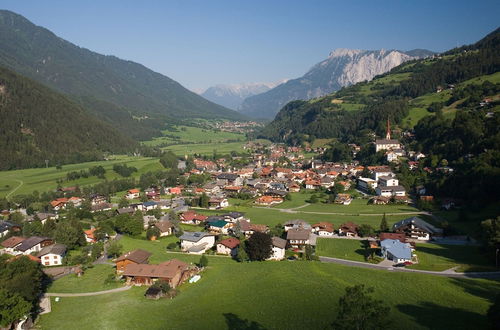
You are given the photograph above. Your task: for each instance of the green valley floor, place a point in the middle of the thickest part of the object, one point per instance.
(278, 295)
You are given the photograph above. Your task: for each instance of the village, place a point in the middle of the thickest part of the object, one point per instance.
(202, 217)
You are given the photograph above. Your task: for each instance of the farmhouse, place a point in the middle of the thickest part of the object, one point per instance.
(174, 272)
(165, 227)
(132, 194)
(268, 200)
(417, 228)
(196, 242)
(278, 249)
(192, 218)
(33, 244)
(349, 229)
(228, 246)
(131, 257)
(10, 244)
(298, 237)
(52, 255)
(323, 229)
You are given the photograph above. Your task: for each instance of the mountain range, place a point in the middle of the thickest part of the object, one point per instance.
(132, 98)
(232, 96)
(343, 67)
(407, 93)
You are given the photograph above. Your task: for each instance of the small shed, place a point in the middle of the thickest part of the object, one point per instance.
(153, 293)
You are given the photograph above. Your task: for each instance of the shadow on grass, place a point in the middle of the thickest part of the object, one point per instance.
(433, 316)
(472, 256)
(233, 321)
(487, 290)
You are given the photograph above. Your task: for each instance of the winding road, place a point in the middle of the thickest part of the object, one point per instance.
(447, 273)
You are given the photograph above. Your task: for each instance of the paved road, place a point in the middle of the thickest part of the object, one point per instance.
(446, 273)
(86, 294)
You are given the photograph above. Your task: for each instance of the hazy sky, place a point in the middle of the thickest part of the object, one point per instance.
(203, 43)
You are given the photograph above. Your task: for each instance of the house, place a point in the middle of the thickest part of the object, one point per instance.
(89, 235)
(100, 207)
(233, 216)
(393, 249)
(248, 228)
(291, 224)
(366, 184)
(133, 194)
(59, 204)
(228, 246)
(388, 181)
(76, 201)
(297, 237)
(220, 226)
(11, 243)
(344, 199)
(33, 244)
(278, 249)
(43, 217)
(196, 242)
(416, 228)
(175, 191)
(217, 203)
(192, 218)
(312, 184)
(52, 255)
(6, 226)
(131, 257)
(148, 220)
(231, 179)
(294, 188)
(389, 191)
(268, 200)
(174, 272)
(165, 227)
(323, 229)
(96, 199)
(348, 229)
(149, 205)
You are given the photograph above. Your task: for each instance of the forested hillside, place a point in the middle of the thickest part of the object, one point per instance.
(127, 95)
(38, 124)
(367, 106)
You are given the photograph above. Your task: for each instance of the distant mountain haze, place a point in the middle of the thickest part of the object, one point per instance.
(232, 96)
(129, 96)
(343, 67)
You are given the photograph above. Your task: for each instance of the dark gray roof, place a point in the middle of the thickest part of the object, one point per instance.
(31, 242)
(5, 225)
(57, 248)
(279, 242)
(418, 222)
(298, 233)
(227, 176)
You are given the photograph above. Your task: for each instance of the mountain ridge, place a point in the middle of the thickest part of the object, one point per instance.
(130, 88)
(342, 67)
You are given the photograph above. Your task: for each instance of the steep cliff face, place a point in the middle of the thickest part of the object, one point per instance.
(343, 67)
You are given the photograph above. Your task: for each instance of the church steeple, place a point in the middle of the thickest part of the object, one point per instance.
(388, 133)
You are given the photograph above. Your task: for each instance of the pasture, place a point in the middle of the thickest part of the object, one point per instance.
(280, 295)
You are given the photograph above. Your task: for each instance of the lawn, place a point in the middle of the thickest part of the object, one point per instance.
(92, 280)
(342, 248)
(188, 134)
(358, 206)
(438, 257)
(44, 179)
(280, 295)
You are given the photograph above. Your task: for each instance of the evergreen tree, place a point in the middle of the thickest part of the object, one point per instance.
(259, 246)
(384, 227)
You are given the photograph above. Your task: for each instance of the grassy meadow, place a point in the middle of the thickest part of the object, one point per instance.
(343, 248)
(188, 134)
(280, 295)
(92, 280)
(44, 179)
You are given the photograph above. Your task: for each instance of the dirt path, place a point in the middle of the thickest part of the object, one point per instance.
(86, 294)
(16, 188)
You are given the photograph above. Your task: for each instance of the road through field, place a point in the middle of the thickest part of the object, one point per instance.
(14, 190)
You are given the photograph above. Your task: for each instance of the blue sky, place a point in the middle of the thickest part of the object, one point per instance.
(202, 43)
